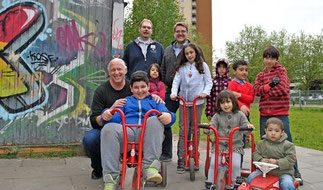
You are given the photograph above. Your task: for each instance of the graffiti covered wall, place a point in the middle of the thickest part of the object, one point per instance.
(53, 55)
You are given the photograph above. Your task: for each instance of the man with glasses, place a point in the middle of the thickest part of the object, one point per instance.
(168, 72)
(143, 51)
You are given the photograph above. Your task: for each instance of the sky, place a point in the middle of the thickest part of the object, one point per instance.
(230, 16)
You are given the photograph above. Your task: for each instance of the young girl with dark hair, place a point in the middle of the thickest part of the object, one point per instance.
(228, 116)
(192, 79)
(156, 85)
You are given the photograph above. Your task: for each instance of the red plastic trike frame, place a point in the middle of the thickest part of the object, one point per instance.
(131, 161)
(189, 154)
(217, 152)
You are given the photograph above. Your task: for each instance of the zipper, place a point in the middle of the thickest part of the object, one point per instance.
(140, 111)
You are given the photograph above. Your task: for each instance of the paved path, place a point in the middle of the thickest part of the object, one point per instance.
(74, 173)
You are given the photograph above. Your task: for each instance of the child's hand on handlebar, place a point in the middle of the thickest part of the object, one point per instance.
(165, 118)
(209, 118)
(270, 160)
(203, 95)
(173, 97)
(106, 115)
(250, 126)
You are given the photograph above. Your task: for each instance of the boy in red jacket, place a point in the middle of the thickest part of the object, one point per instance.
(272, 85)
(242, 89)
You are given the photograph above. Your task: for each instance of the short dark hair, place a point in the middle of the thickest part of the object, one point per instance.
(139, 76)
(270, 51)
(224, 96)
(239, 62)
(158, 69)
(275, 121)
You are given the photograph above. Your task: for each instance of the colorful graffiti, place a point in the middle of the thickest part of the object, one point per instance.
(20, 25)
(117, 30)
(70, 41)
(53, 55)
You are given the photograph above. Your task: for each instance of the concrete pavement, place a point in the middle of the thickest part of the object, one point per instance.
(74, 173)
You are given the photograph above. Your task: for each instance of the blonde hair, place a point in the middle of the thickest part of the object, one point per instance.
(146, 20)
(180, 24)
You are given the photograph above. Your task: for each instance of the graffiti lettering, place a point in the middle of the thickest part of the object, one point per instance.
(77, 121)
(69, 39)
(41, 58)
(117, 34)
(19, 76)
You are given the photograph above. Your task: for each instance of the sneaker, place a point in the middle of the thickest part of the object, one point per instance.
(110, 186)
(208, 185)
(165, 158)
(96, 174)
(180, 169)
(152, 175)
(298, 178)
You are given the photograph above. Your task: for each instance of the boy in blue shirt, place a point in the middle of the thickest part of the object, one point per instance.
(112, 136)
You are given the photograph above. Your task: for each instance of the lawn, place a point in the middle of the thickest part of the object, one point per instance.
(306, 126)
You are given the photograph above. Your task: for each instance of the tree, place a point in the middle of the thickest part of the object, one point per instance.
(249, 47)
(197, 38)
(163, 14)
(305, 53)
(300, 54)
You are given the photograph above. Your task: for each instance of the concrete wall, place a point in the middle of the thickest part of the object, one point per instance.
(53, 55)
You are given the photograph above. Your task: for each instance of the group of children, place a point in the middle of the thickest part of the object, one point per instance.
(227, 106)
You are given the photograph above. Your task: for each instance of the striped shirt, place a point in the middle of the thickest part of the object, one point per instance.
(273, 101)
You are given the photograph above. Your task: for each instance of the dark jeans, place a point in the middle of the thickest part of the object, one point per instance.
(285, 120)
(168, 141)
(91, 145)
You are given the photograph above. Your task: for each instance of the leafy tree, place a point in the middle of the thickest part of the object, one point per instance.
(300, 54)
(305, 53)
(163, 14)
(249, 46)
(197, 38)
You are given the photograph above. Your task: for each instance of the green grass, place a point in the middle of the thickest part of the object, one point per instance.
(306, 126)
(12, 155)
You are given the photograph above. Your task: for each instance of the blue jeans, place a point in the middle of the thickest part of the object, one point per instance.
(285, 120)
(91, 145)
(285, 180)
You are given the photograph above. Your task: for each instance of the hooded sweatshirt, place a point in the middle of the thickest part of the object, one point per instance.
(273, 101)
(137, 61)
(219, 83)
(282, 150)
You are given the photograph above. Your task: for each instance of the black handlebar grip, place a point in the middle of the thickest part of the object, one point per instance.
(245, 129)
(204, 126)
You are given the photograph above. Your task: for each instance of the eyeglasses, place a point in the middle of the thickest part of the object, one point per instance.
(180, 31)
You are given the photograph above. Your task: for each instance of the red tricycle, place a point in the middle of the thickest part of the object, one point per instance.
(134, 159)
(222, 178)
(264, 182)
(191, 152)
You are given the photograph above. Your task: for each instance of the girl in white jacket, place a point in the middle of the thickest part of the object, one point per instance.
(192, 79)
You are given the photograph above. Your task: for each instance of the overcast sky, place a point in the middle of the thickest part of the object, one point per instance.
(230, 16)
